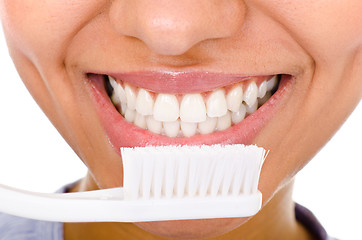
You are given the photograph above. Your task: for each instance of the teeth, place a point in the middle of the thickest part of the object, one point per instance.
(262, 89)
(115, 99)
(208, 126)
(123, 108)
(252, 108)
(234, 98)
(188, 129)
(251, 94)
(144, 102)
(238, 116)
(140, 121)
(193, 115)
(130, 115)
(118, 91)
(271, 83)
(113, 82)
(216, 104)
(131, 97)
(193, 108)
(166, 108)
(263, 100)
(116, 102)
(153, 125)
(224, 122)
(171, 128)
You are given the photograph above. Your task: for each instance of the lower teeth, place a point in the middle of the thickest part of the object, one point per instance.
(180, 128)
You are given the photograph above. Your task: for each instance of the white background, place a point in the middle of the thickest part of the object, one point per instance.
(34, 156)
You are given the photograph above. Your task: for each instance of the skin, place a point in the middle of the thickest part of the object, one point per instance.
(319, 43)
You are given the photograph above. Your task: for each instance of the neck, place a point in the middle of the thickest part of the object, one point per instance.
(275, 221)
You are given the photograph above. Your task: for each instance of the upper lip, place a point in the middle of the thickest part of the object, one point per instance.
(181, 82)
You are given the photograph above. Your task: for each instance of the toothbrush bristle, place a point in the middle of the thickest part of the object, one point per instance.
(191, 171)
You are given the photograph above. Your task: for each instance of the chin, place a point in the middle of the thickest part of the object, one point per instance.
(192, 229)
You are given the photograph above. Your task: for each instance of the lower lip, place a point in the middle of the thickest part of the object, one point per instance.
(124, 134)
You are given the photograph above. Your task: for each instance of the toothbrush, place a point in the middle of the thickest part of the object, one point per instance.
(160, 183)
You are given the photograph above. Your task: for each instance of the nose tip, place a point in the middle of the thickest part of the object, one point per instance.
(172, 27)
(169, 36)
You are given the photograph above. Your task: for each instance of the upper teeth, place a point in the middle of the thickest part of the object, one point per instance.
(193, 108)
(166, 108)
(195, 113)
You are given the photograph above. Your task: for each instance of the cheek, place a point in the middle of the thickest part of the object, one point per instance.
(336, 27)
(27, 26)
(41, 30)
(326, 30)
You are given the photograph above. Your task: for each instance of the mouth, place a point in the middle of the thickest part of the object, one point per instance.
(185, 115)
(229, 111)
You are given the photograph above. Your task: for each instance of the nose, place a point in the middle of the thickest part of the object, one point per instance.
(172, 27)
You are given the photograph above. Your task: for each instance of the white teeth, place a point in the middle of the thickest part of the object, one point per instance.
(252, 108)
(234, 98)
(118, 91)
(238, 116)
(207, 126)
(271, 83)
(224, 122)
(113, 82)
(131, 97)
(140, 121)
(153, 125)
(121, 94)
(144, 102)
(188, 129)
(114, 85)
(251, 94)
(171, 128)
(166, 108)
(123, 108)
(192, 116)
(216, 104)
(115, 100)
(130, 115)
(262, 89)
(193, 108)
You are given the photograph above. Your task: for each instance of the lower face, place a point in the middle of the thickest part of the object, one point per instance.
(281, 87)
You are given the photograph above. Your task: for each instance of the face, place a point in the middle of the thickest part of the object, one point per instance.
(280, 74)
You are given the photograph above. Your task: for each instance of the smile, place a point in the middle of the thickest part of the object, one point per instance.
(163, 108)
(188, 114)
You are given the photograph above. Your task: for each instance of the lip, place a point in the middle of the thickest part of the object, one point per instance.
(182, 82)
(121, 133)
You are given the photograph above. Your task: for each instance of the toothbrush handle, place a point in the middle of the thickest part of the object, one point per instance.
(60, 207)
(108, 205)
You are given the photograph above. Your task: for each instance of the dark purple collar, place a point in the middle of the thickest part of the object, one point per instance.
(310, 222)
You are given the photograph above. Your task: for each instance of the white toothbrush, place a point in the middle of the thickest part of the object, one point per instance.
(160, 183)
